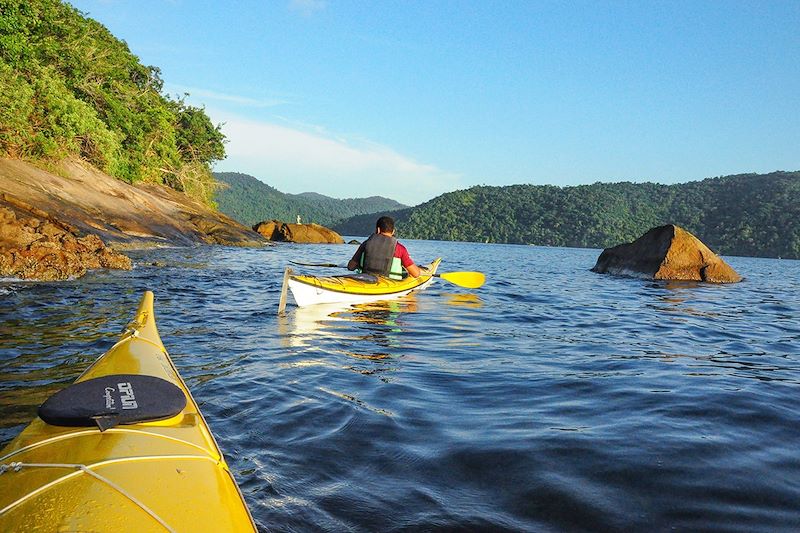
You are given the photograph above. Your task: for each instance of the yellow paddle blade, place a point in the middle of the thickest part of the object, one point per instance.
(470, 280)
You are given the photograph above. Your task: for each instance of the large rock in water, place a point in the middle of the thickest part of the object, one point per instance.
(666, 252)
(276, 230)
(35, 245)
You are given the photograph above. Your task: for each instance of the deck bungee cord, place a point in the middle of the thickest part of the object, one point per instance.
(17, 466)
(129, 446)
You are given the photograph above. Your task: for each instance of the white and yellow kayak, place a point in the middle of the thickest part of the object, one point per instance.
(355, 288)
(124, 448)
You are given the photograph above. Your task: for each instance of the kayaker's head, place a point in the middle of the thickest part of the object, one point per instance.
(385, 225)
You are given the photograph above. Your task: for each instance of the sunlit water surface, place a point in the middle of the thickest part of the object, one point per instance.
(552, 399)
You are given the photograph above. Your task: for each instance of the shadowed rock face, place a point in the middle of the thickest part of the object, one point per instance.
(666, 252)
(276, 230)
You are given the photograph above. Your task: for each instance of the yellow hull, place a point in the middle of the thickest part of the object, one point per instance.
(167, 475)
(311, 290)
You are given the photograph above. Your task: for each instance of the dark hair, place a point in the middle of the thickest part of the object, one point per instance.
(385, 224)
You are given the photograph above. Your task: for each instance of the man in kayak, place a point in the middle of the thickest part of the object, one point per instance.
(382, 254)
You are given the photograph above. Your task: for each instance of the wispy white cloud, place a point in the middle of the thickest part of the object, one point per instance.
(307, 7)
(197, 95)
(298, 160)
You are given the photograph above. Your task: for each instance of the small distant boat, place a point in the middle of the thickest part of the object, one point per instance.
(355, 288)
(124, 448)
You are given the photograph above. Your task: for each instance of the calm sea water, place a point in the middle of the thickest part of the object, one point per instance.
(551, 399)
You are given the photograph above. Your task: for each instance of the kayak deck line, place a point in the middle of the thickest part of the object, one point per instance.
(16, 466)
(62, 476)
(118, 429)
(81, 469)
(7, 468)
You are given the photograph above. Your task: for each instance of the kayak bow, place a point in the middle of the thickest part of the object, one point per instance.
(117, 470)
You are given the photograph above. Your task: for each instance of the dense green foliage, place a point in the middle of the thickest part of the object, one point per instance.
(69, 87)
(251, 201)
(749, 215)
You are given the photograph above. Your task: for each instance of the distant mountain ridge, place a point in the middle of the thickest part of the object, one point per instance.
(747, 214)
(250, 201)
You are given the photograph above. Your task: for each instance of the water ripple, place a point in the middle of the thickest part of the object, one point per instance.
(553, 399)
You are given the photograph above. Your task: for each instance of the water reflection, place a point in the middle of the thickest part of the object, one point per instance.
(548, 390)
(385, 313)
(305, 325)
(467, 299)
(363, 338)
(682, 297)
(382, 324)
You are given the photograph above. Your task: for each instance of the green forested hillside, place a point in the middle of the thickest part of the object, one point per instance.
(69, 87)
(347, 207)
(251, 201)
(748, 214)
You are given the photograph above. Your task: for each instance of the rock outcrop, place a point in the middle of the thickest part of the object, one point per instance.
(275, 230)
(53, 223)
(34, 245)
(666, 252)
(129, 216)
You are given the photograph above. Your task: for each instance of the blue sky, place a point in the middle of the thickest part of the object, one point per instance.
(411, 99)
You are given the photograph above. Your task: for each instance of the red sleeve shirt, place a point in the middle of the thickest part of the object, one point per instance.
(401, 252)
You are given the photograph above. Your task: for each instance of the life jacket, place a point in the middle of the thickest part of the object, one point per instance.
(378, 257)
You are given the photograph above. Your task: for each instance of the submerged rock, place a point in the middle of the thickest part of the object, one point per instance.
(34, 245)
(276, 230)
(666, 252)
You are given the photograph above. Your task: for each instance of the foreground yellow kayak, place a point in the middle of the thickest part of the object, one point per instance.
(355, 288)
(124, 448)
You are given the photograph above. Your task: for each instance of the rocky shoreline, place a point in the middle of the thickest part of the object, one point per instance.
(56, 224)
(59, 222)
(33, 245)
